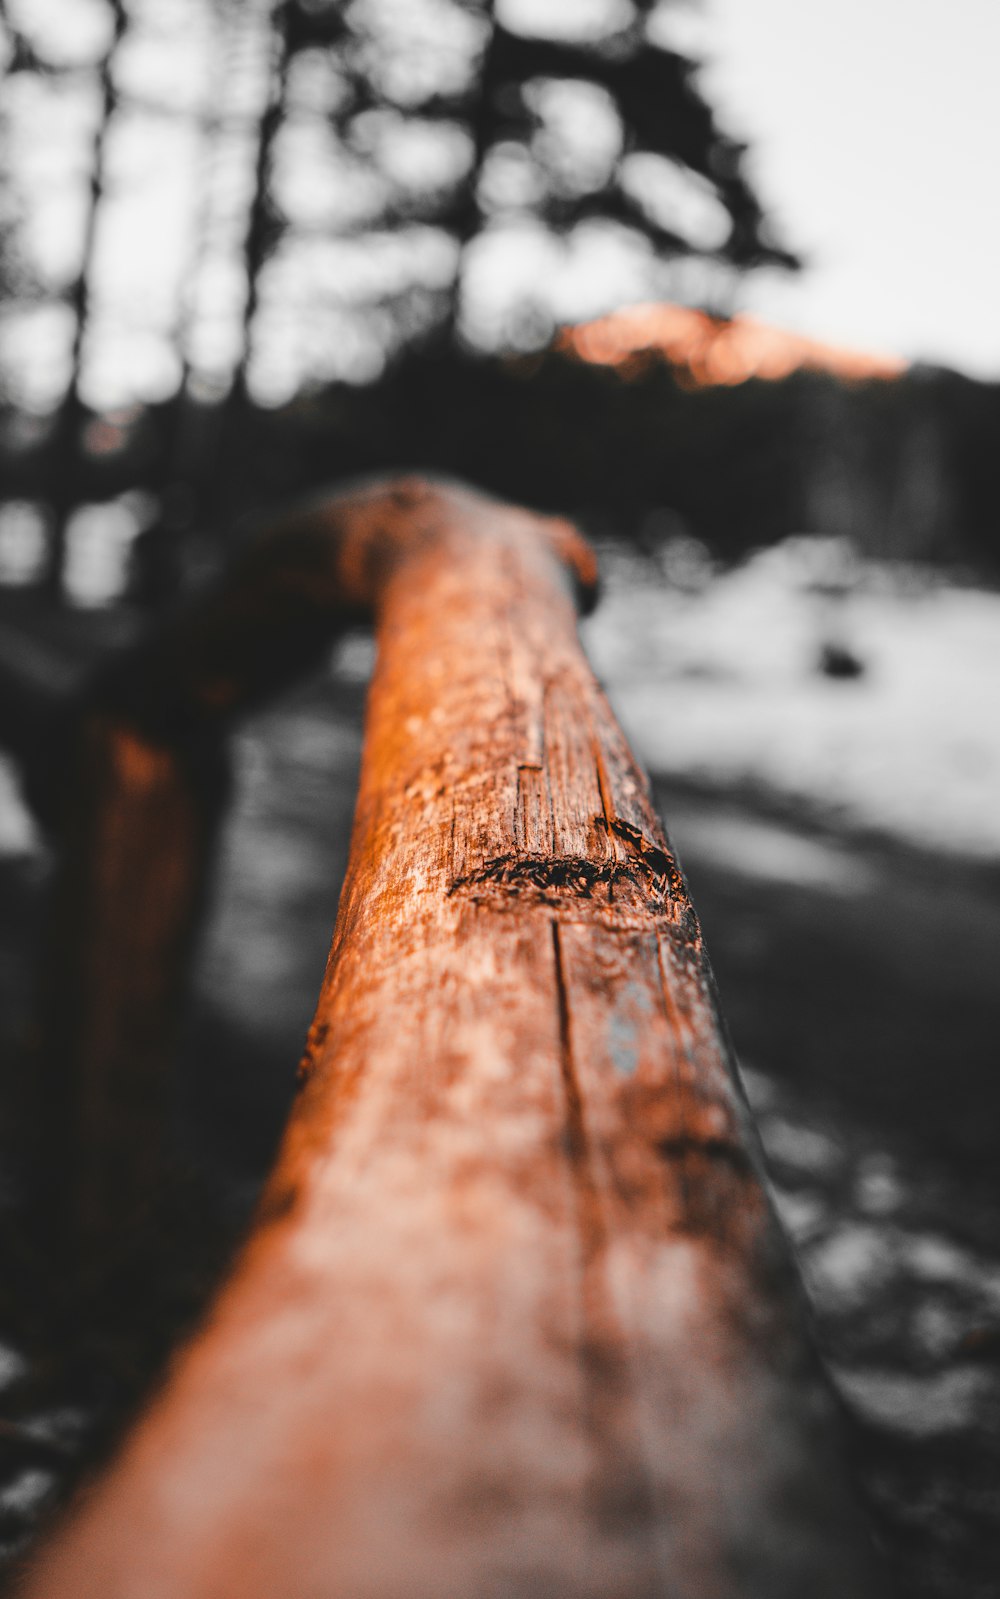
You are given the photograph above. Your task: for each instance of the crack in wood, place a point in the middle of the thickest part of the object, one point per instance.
(662, 868)
(560, 878)
(622, 1491)
(604, 788)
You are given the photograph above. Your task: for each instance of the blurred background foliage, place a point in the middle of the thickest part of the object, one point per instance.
(217, 206)
(247, 247)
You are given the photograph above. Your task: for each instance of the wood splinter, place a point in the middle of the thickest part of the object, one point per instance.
(515, 1320)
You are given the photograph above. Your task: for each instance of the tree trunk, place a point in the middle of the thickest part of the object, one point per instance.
(235, 435)
(516, 1318)
(65, 450)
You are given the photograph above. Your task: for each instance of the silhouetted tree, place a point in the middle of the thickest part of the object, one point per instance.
(444, 123)
(66, 440)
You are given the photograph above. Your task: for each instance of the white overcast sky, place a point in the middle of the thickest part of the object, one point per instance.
(875, 131)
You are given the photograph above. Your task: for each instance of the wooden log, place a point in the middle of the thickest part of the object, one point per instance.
(516, 1318)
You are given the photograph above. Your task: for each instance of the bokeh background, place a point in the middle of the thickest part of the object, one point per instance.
(715, 280)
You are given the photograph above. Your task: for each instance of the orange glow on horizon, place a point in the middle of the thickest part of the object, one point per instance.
(709, 351)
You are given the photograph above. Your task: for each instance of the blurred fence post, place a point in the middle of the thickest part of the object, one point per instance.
(137, 826)
(515, 1317)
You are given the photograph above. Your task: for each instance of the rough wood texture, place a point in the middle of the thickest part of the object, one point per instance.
(515, 1319)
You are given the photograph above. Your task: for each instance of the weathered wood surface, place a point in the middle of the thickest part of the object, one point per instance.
(516, 1318)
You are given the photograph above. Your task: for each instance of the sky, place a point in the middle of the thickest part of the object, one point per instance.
(874, 128)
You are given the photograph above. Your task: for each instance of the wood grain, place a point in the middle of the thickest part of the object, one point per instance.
(516, 1318)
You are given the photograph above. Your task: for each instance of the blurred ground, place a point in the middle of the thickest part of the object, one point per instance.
(851, 902)
(859, 984)
(716, 677)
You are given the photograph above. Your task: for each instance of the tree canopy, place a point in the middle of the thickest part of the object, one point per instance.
(465, 141)
(346, 176)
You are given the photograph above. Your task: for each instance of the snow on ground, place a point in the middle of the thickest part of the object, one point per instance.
(716, 678)
(18, 832)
